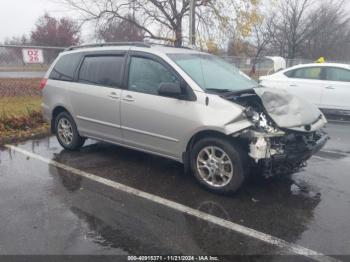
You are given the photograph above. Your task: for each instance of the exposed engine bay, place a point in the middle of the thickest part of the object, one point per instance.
(274, 148)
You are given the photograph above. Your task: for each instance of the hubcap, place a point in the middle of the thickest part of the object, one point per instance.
(65, 131)
(214, 166)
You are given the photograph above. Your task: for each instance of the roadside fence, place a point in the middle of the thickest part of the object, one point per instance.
(31, 62)
(22, 67)
(14, 58)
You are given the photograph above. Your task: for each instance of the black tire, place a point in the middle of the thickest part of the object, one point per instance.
(77, 141)
(238, 157)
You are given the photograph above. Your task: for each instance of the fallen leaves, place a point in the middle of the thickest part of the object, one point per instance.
(24, 127)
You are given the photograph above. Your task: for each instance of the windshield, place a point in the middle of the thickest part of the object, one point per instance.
(212, 73)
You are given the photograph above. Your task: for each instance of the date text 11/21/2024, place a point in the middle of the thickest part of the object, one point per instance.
(173, 258)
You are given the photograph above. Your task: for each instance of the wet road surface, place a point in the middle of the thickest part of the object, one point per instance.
(50, 210)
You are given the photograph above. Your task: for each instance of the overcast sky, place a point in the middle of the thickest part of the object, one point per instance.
(17, 17)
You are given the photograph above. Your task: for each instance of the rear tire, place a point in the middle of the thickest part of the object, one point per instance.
(219, 164)
(67, 133)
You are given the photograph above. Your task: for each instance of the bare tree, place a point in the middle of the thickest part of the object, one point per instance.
(17, 40)
(161, 19)
(120, 31)
(263, 34)
(292, 25)
(15, 53)
(331, 33)
(310, 29)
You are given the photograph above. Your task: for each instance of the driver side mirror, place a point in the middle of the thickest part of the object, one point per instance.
(170, 90)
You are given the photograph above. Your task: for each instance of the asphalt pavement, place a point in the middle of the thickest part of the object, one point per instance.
(23, 74)
(55, 202)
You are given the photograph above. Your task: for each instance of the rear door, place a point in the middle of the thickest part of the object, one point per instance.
(95, 97)
(337, 92)
(306, 82)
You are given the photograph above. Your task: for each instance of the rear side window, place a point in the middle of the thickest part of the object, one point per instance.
(314, 73)
(289, 73)
(102, 70)
(64, 69)
(337, 74)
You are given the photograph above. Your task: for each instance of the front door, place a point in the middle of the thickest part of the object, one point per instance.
(149, 121)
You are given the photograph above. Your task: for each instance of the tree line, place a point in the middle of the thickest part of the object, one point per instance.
(301, 29)
(288, 28)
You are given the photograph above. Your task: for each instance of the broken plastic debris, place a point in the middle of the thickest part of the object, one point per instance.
(295, 189)
(255, 200)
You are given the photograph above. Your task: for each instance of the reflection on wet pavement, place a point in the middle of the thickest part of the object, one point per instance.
(310, 208)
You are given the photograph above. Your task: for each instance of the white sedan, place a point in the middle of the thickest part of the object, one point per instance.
(326, 85)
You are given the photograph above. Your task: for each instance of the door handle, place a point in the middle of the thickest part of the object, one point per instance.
(293, 85)
(113, 95)
(128, 98)
(330, 87)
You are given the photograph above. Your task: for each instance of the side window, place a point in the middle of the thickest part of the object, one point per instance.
(289, 73)
(146, 75)
(102, 70)
(65, 67)
(337, 74)
(314, 73)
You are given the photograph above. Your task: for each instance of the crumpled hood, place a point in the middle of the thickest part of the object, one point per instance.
(290, 111)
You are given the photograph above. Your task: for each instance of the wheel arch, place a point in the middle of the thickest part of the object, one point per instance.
(57, 110)
(198, 136)
(201, 134)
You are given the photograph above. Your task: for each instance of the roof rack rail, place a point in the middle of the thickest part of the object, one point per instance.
(173, 46)
(148, 40)
(139, 44)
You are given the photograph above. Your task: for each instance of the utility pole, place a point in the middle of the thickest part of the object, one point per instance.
(192, 33)
(133, 11)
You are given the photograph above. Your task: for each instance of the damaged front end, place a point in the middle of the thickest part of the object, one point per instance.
(284, 136)
(283, 152)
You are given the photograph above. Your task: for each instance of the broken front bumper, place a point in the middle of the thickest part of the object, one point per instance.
(285, 152)
(310, 149)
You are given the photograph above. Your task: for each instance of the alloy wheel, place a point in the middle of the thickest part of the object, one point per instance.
(214, 166)
(65, 131)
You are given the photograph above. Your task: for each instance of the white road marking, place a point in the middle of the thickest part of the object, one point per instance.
(318, 157)
(280, 243)
(334, 152)
(338, 122)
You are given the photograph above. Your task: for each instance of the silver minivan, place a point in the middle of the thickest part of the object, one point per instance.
(181, 104)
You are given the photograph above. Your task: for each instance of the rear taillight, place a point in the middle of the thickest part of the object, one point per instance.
(43, 83)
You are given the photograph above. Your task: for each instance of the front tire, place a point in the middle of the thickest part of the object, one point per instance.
(219, 165)
(67, 133)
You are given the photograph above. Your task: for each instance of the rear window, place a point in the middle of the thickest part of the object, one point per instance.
(65, 67)
(102, 70)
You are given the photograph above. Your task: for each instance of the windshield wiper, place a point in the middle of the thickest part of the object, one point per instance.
(228, 92)
(214, 90)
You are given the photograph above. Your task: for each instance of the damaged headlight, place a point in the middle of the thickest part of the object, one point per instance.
(252, 115)
(260, 120)
(260, 136)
